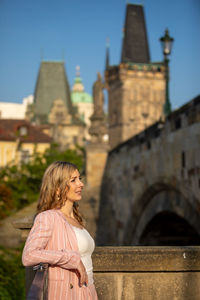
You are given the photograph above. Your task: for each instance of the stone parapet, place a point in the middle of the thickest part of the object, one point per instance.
(24, 224)
(147, 273)
(146, 259)
(142, 273)
(181, 118)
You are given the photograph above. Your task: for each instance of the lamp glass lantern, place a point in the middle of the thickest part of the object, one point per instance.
(166, 42)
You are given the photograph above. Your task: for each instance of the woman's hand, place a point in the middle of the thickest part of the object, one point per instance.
(83, 275)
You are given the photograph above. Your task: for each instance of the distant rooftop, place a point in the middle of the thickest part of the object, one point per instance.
(10, 131)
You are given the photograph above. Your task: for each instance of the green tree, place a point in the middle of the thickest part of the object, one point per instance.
(12, 275)
(24, 181)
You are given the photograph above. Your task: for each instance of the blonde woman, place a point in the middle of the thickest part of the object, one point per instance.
(58, 236)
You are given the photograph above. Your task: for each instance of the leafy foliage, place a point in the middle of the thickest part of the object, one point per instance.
(6, 201)
(21, 184)
(12, 275)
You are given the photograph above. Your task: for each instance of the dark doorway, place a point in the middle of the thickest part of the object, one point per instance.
(168, 229)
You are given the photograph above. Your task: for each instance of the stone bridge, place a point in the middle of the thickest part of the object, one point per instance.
(150, 192)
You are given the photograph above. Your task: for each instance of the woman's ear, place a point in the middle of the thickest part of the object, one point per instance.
(58, 191)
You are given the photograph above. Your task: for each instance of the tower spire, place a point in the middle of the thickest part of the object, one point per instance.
(107, 53)
(77, 71)
(135, 46)
(78, 85)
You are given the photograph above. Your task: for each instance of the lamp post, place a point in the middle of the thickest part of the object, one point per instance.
(166, 42)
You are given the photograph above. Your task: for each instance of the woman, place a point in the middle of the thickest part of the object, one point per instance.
(58, 236)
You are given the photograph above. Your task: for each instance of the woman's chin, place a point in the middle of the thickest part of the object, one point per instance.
(78, 199)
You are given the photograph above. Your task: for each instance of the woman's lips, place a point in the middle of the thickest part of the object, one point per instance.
(78, 192)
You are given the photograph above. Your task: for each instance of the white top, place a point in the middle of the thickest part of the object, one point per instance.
(86, 247)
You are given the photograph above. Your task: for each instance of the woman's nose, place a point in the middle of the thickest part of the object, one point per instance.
(80, 183)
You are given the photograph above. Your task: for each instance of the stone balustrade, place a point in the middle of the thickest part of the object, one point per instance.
(143, 273)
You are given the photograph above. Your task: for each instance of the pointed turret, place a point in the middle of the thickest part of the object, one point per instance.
(107, 54)
(135, 44)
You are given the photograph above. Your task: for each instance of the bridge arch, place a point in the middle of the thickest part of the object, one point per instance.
(164, 216)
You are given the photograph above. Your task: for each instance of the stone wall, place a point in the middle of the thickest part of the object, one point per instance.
(154, 173)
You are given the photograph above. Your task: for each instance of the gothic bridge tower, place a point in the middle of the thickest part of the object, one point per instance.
(136, 87)
(53, 108)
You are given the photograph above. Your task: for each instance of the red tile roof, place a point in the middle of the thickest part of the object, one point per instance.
(9, 131)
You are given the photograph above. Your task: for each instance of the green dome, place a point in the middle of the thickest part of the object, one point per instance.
(78, 94)
(81, 97)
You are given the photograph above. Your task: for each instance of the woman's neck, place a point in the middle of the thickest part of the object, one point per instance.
(67, 209)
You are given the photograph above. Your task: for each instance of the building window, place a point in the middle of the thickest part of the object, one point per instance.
(23, 131)
(59, 116)
(75, 139)
(24, 156)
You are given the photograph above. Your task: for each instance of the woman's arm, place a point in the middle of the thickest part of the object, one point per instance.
(34, 251)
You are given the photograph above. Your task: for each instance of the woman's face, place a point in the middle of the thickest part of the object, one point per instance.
(75, 187)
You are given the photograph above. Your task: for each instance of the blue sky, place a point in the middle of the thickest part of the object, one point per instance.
(76, 30)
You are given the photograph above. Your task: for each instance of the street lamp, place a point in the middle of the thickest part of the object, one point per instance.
(166, 42)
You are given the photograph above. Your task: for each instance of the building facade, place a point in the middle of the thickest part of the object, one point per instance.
(19, 140)
(11, 110)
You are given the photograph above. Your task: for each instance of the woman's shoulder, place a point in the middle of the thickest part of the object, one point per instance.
(50, 215)
(46, 214)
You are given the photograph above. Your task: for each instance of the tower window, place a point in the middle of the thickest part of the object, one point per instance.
(148, 145)
(178, 123)
(183, 159)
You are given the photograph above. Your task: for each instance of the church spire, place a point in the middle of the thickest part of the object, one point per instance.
(107, 53)
(77, 71)
(78, 85)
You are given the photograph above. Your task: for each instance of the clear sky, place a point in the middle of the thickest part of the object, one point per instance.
(76, 30)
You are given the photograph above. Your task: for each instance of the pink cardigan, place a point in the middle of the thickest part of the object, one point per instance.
(52, 240)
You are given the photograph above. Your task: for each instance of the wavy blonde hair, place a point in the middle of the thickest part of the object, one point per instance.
(56, 178)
